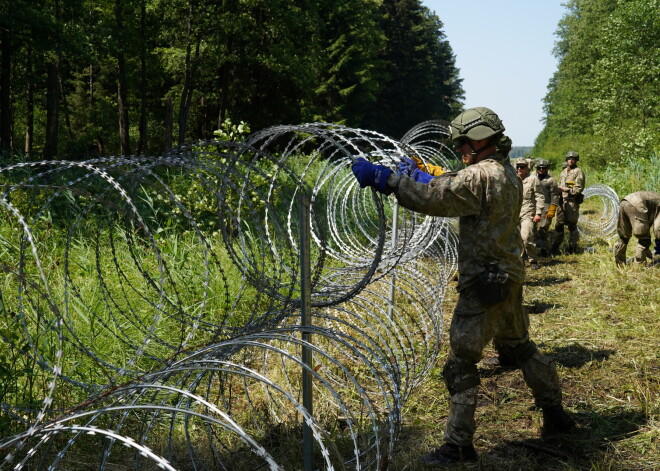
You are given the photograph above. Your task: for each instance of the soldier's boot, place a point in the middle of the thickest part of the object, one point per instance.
(557, 240)
(619, 251)
(556, 420)
(450, 453)
(643, 252)
(573, 238)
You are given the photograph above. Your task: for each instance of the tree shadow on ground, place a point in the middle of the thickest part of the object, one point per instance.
(593, 434)
(576, 355)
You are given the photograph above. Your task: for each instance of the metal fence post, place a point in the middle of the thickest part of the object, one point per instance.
(305, 321)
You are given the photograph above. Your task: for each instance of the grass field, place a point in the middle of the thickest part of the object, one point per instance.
(601, 326)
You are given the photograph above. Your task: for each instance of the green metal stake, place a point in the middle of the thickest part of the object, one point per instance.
(305, 321)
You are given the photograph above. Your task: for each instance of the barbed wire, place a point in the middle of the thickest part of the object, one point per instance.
(600, 219)
(154, 303)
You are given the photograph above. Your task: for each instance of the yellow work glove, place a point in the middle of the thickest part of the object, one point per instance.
(551, 211)
(570, 184)
(434, 170)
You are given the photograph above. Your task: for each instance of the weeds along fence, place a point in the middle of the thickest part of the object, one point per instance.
(151, 306)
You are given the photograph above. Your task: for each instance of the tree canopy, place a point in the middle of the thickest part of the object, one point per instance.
(80, 78)
(604, 98)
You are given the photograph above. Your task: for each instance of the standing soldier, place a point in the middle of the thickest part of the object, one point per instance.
(486, 196)
(533, 205)
(638, 212)
(571, 185)
(551, 195)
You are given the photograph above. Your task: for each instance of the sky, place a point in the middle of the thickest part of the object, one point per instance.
(504, 52)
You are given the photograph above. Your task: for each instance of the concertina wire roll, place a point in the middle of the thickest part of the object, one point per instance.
(151, 314)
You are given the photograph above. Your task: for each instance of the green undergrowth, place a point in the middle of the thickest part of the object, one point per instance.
(600, 325)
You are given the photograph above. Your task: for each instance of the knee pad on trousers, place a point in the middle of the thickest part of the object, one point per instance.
(520, 353)
(572, 227)
(460, 374)
(644, 242)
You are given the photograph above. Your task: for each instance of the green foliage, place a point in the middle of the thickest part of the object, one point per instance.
(630, 175)
(605, 95)
(232, 132)
(191, 64)
(422, 81)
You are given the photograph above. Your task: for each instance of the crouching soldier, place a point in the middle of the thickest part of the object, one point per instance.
(638, 213)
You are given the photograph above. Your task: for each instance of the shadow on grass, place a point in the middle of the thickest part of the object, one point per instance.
(548, 280)
(576, 356)
(538, 307)
(587, 444)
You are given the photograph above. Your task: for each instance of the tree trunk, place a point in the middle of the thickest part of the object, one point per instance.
(52, 92)
(5, 92)
(122, 101)
(142, 129)
(187, 92)
(29, 108)
(168, 130)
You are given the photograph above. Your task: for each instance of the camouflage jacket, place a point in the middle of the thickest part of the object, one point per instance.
(550, 190)
(574, 176)
(533, 201)
(486, 197)
(646, 202)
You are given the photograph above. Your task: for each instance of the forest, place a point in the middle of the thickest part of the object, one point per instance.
(604, 98)
(82, 78)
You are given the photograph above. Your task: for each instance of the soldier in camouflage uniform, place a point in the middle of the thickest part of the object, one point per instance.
(571, 185)
(551, 195)
(486, 196)
(533, 204)
(638, 213)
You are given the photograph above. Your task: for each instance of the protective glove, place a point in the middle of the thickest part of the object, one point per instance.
(433, 170)
(408, 167)
(551, 211)
(368, 174)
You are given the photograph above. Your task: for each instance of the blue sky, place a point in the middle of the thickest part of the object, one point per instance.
(504, 53)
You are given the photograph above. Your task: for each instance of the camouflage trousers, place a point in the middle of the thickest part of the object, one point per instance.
(632, 222)
(528, 235)
(568, 214)
(473, 326)
(542, 230)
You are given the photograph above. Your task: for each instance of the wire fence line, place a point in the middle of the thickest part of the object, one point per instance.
(151, 311)
(151, 305)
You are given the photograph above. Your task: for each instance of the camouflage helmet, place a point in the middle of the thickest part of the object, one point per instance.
(542, 163)
(573, 155)
(476, 124)
(504, 144)
(522, 161)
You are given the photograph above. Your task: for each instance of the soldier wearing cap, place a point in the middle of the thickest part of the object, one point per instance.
(571, 185)
(486, 196)
(551, 194)
(531, 211)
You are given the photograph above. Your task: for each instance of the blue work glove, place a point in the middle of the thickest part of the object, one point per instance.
(368, 174)
(407, 166)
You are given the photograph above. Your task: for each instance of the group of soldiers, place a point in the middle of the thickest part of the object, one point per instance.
(544, 200)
